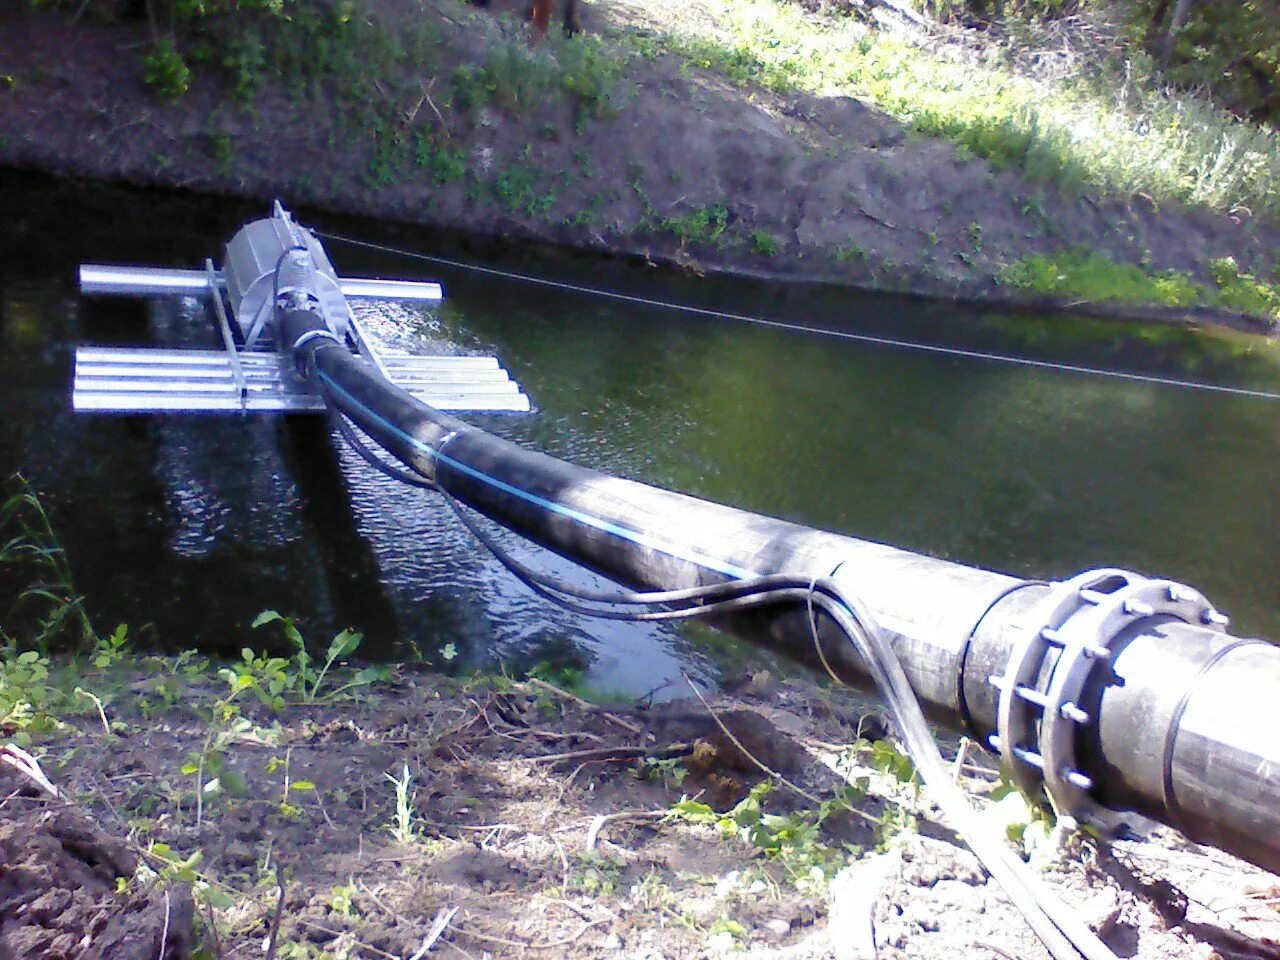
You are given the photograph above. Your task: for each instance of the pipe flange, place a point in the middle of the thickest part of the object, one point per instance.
(1089, 636)
(1020, 702)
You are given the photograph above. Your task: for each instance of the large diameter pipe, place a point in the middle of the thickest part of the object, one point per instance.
(1184, 719)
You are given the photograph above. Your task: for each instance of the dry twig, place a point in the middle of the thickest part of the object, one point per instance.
(598, 823)
(611, 717)
(213, 929)
(607, 754)
(275, 921)
(527, 944)
(164, 933)
(437, 930)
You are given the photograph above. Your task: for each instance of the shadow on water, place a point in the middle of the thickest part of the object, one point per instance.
(197, 524)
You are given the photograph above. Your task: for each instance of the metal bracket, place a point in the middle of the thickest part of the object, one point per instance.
(1038, 715)
(228, 341)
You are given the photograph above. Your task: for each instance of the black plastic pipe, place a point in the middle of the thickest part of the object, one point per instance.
(1186, 719)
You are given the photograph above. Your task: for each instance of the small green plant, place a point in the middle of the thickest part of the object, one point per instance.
(889, 760)
(111, 650)
(792, 840)
(764, 242)
(27, 701)
(567, 677)
(47, 609)
(221, 150)
(974, 232)
(403, 828)
(724, 935)
(850, 253)
(342, 900)
(276, 676)
(705, 225)
(175, 868)
(245, 60)
(671, 773)
(442, 166)
(597, 874)
(472, 88)
(213, 775)
(166, 73)
(1029, 827)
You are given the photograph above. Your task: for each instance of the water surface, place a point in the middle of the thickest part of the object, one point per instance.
(193, 524)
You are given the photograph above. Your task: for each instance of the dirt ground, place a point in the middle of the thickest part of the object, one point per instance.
(533, 830)
(843, 193)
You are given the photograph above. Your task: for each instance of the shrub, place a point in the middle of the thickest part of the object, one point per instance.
(166, 72)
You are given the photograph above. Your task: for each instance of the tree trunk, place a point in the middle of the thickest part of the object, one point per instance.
(1179, 17)
(1157, 18)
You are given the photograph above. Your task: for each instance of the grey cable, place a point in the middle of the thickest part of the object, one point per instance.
(805, 328)
(1063, 933)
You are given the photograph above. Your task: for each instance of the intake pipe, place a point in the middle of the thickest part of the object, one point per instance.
(1114, 692)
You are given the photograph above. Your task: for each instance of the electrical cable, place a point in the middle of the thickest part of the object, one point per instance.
(876, 340)
(1063, 933)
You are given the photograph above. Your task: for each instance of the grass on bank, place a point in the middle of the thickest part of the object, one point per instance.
(1110, 133)
(1082, 275)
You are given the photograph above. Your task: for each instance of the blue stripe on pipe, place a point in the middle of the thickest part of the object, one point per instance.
(622, 533)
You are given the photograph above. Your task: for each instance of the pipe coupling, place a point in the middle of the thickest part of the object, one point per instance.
(1070, 637)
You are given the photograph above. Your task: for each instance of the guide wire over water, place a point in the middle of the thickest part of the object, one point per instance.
(868, 338)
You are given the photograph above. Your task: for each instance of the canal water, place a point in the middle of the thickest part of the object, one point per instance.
(186, 527)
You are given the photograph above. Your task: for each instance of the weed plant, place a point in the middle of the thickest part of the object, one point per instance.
(1090, 276)
(47, 610)
(271, 678)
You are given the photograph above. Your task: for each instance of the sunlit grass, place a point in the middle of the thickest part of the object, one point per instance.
(1112, 137)
(1093, 277)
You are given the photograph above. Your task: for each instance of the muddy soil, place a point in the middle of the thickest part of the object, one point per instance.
(813, 188)
(533, 824)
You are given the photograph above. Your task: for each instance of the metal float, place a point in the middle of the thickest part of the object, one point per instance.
(1110, 691)
(247, 374)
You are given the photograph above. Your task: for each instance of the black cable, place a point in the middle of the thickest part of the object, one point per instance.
(1062, 932)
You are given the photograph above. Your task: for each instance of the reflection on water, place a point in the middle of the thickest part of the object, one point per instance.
(196, 523)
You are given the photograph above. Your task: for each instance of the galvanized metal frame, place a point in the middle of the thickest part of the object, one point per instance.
(248, 376)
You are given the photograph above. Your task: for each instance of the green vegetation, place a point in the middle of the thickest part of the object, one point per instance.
(366, 66)
(1092, 277)
(28, 704)
(403, 828)
(442, 166)
(1073, 131)
(764, 242)
(271, 678)
(704, 225)
(794, 840)
(166, 73)
(47, 611)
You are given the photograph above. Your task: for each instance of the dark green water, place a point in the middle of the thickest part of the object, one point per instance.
(193, 525)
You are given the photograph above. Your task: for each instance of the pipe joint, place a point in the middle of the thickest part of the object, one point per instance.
(1070, 636)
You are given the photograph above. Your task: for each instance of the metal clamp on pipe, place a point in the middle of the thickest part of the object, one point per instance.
(1072, 636)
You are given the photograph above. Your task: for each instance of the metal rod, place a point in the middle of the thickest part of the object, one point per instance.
(103, 280)
(142, 281)
(224, 328)
(371, 289)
